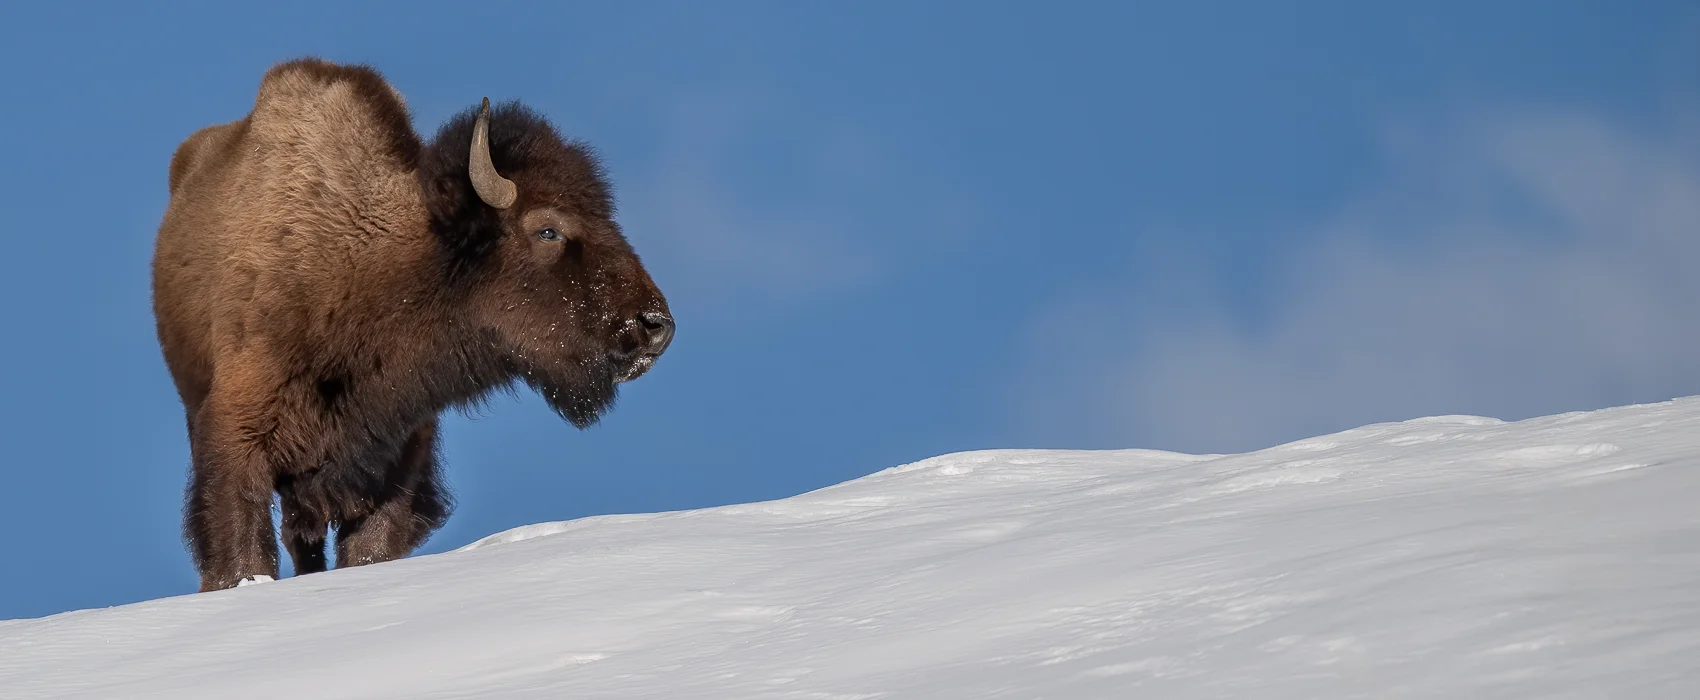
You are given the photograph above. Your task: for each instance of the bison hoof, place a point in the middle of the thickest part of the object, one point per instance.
(251, 580)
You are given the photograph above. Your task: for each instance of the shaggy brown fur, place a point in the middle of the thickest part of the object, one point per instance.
(326, 284)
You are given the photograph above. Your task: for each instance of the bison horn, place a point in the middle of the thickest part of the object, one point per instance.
(495, 190)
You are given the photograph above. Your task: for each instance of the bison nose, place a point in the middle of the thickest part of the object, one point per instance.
(659, 329)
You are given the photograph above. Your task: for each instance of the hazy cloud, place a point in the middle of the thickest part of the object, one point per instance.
(721, 232)
(1512, 265)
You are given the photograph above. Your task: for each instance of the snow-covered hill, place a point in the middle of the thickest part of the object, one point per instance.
(1449, 557)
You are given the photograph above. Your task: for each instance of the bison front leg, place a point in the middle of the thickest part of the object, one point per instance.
(227, 515)
(414, 504)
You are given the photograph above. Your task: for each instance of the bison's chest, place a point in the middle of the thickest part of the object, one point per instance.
(339, 463)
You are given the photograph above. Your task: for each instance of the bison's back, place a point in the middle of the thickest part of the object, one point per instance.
(185, 268)
(271, 216)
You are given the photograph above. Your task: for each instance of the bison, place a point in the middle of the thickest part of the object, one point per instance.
(326, 284)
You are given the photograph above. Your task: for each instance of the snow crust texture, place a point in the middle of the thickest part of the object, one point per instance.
(1450, 557)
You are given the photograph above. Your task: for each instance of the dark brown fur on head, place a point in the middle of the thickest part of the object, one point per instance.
(326, 283)
(560, 184)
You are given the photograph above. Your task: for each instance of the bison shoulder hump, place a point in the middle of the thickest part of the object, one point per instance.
(311, 87)
(193, 152)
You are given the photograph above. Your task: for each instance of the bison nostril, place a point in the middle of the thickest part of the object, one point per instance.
(660, 330)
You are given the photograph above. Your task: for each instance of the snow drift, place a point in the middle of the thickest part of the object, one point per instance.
(1454, 557)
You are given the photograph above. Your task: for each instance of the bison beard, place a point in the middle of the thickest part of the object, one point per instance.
(581, 396)
(326, 284)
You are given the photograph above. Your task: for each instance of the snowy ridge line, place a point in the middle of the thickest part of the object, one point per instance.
(1449, 556)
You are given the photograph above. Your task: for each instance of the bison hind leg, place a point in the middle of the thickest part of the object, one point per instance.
(414, 504)
(303, 526)
(304, 537)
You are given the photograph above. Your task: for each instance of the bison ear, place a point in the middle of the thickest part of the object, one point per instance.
(495, 190)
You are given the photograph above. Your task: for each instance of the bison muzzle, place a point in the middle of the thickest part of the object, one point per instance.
(327, 283)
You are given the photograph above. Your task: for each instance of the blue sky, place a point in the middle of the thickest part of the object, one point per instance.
(891, 230)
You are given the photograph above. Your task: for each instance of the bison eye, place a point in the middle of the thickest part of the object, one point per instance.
(550, 235)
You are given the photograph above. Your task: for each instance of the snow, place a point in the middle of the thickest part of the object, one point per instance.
(1454, 557)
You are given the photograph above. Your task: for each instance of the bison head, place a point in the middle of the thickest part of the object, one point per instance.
(543, 274)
